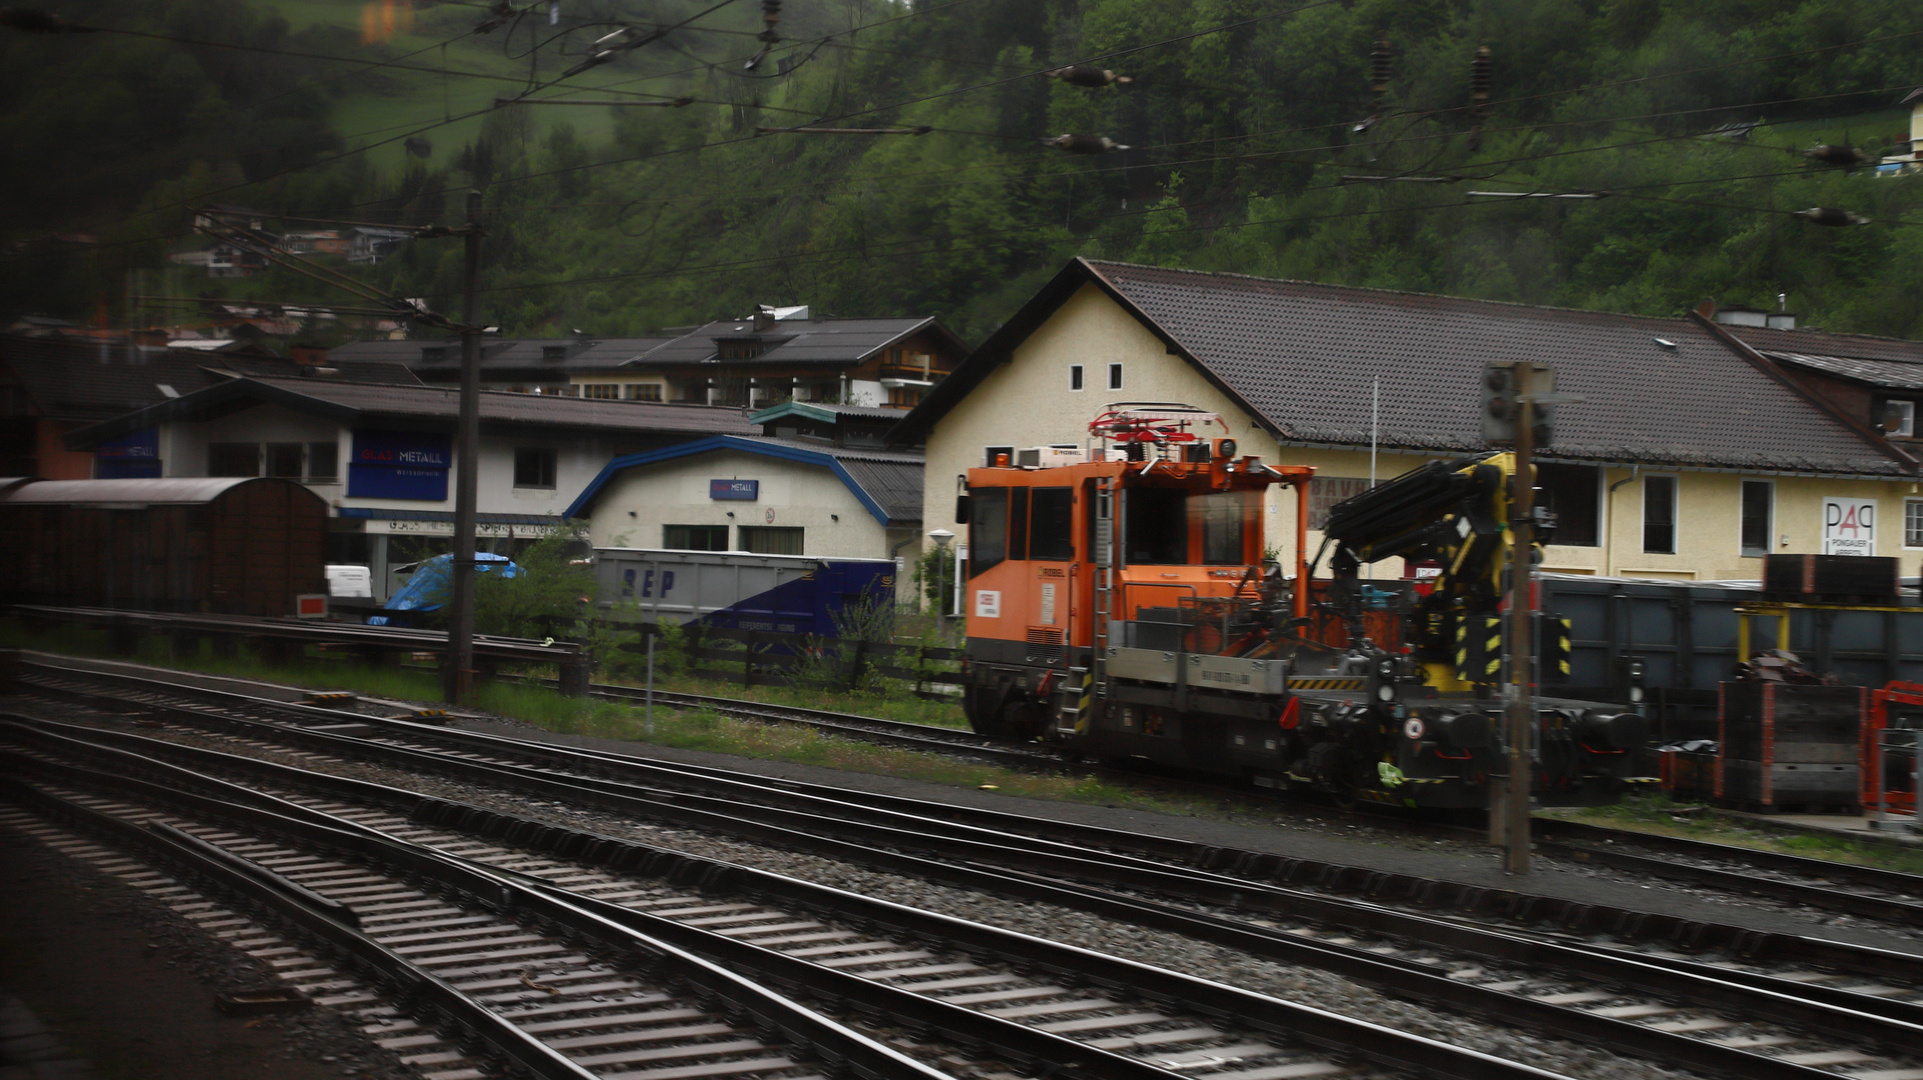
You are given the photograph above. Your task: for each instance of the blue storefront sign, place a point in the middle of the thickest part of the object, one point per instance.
(738, 490)
(130, 457)
(400, 465)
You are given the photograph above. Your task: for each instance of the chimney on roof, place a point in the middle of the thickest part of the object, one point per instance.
(764, 318)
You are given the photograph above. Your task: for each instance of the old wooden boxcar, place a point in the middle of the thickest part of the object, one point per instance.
(235, 545)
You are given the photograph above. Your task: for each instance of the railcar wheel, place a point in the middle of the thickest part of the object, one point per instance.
(981, 706)
(1023, 719)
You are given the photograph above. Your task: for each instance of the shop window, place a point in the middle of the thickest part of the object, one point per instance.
(533, 467)
(323, 461)
(233, 459)
(284, 459)
(771, 539)
(695, 537)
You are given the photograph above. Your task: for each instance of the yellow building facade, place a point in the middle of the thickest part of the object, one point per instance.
(1649, 518)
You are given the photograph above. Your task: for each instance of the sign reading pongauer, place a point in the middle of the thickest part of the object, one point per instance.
(1849, 526)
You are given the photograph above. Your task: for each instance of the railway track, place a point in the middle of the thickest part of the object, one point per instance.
(1044, 1006)
(1871, 893)
(1625, 997)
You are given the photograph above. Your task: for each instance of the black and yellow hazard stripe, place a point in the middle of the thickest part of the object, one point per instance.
(1343, 683)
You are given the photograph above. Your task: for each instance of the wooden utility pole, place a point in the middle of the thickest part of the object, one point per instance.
(458, 676)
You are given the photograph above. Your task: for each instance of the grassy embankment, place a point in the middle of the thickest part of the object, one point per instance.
(1663, 816)
(696, 729)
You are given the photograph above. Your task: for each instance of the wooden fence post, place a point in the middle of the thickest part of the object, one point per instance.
(854, 664)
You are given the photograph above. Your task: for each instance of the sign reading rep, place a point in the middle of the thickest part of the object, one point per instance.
(400, 465)
(1849, 526)
(737, 490)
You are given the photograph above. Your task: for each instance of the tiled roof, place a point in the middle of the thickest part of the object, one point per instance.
(1304, 359)
(77, 380)
(435, 405)
(789, 341)
(1888, 374)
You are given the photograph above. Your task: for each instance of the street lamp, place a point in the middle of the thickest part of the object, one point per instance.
(942, 538)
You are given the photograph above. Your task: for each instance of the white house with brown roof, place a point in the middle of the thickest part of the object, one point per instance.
(1691, 457)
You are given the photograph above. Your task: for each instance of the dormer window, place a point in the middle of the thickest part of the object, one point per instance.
(554, 352)
(738, 348)
(1899, 418)
(433, 353)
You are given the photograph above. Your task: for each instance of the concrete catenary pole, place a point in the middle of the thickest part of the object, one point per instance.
(458, 676)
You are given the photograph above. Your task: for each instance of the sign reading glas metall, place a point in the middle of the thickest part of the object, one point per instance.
(735, 490)
(1849, 526)
(399, 465)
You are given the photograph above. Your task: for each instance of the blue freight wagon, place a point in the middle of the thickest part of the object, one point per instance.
(787, 594)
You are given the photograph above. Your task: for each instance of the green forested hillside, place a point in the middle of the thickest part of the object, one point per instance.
(1249, 125)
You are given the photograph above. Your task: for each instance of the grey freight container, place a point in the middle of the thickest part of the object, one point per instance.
(1785, 745)
(789, 594)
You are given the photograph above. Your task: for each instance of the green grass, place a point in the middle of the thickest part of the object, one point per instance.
(694, 729)
(1660, 815)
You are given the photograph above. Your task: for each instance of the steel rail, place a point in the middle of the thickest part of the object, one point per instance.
(1028, 1046)
(839, 1045)
(1759, 996)
(1585, 835)
(587, 770)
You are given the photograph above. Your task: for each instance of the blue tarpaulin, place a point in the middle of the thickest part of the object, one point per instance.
(427, 589)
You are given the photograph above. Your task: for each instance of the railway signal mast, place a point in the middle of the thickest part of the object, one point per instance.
(1519, 400)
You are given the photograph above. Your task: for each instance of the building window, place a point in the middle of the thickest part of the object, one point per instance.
(1898, 418)
(1659, 514)
(644, 391)
(1115, 376)
(1574, 494)
(1074, 376)
(604, 391)
(770, 540)
(233, 459)
(904, 397)
(323, 461)
(554, 352)
(1759, 497)
(284, 459)
(695, 537)
(533, 468)
(990, 453)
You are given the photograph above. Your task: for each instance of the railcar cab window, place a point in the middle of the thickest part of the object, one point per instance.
(1160, 523)
(987, 529)
(1051, 524)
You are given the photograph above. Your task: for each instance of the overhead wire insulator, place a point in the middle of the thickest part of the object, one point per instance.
(498, 15)
(770, 15)
(1084, 144)
(1840, 154)
(1831, 216)
(1480, 70)
(1381, 61)
(1088, 75)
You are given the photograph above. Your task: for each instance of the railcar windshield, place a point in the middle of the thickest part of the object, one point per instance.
(1162, 522)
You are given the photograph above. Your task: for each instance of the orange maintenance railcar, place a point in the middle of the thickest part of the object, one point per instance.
(1122, 601)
